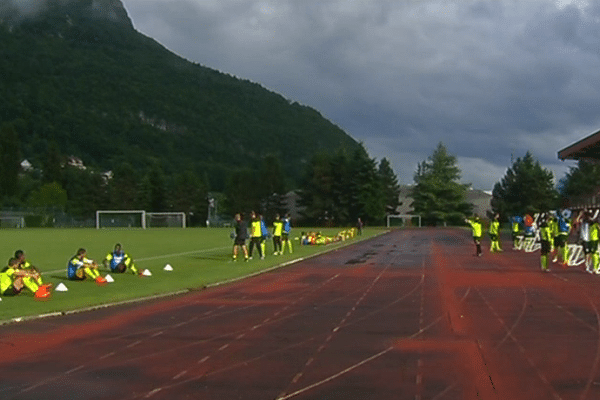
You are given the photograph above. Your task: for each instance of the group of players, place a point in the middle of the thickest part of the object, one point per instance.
(552, 231)
(20, 273)
(259, 233)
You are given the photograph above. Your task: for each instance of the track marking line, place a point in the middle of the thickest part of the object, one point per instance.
(179, 375)
(246, 363)
(74, 369)
(107, 355)
(368, 289)
(522, 350)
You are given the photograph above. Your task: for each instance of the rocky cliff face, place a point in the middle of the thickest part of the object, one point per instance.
(15, 11)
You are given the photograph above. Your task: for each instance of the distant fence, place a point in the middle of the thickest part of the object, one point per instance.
(42, 218)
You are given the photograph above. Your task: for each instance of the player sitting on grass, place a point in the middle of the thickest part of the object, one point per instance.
(26, 265)
(118, 261)
(80, 266)
(13, 279)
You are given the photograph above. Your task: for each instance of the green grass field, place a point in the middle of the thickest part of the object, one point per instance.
(199, 257)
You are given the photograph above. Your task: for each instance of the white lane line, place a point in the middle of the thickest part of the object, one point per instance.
(179, 375)
(107, 355)
(74, 369)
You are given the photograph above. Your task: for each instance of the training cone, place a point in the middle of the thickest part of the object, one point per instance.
(168, 267)
(147, 272)
(109, 278)
(101, 281)
(43, 292)
(61, 288)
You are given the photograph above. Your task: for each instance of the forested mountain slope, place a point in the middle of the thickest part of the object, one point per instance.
(76, 73)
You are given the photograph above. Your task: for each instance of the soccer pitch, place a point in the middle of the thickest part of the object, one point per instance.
(199, 257)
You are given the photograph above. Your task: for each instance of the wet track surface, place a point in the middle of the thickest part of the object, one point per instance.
(408, 315)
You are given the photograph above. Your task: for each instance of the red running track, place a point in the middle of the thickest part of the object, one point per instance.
(408, 315)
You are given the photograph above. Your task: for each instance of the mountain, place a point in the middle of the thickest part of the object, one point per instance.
(77, 73)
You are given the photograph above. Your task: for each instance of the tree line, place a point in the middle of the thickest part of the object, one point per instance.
(526, 187)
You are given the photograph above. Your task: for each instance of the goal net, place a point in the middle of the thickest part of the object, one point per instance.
(120, 219)
(165, 220)
(403, 220)
(12, 222)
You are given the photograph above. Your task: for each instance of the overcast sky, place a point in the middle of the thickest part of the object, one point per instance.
(489, 79)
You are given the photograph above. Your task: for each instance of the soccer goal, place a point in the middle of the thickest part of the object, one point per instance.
(403, 220)
(165, 220)
(120, 219)
(12, 222)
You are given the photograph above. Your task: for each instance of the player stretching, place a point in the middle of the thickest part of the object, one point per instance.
(495, 234)
(118, 261)
(13, 279)
(80, 266)
(477, 228)
(285, 236)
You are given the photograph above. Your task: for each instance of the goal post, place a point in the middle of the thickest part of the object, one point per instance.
(165, 220)
(404, 218)
(120, 219)
(12, 222)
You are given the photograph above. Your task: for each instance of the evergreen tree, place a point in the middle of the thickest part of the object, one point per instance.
(339, 189)
(86, 190)
(241, 192)
(366, 188)
(316, 195)
(188, 194)
(10, 161)
(438, 196)
(391, 188)
(123, 187)
(582, 180)
(271, 186)
(52, 170)
(526, 187)
(158, 190)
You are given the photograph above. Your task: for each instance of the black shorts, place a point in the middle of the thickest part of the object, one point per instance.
(239, 241)
(560, 240)
(119, 269)
(476, 239)
(285, 236)
(493, 237)
(11, 291)
(593, 246)
(545, 247)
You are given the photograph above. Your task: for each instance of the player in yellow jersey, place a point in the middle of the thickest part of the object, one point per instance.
(477, 228)
(13, 279)
(277, 231)
(495, 234)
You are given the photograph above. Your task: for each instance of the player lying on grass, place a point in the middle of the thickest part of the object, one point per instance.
(118, 261)
(316, 238)
(80, 267)
(13, 279)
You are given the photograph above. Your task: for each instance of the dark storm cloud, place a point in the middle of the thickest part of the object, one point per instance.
(490, 78)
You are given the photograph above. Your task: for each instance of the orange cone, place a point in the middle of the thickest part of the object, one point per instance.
(101, 281)
(42, 292)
